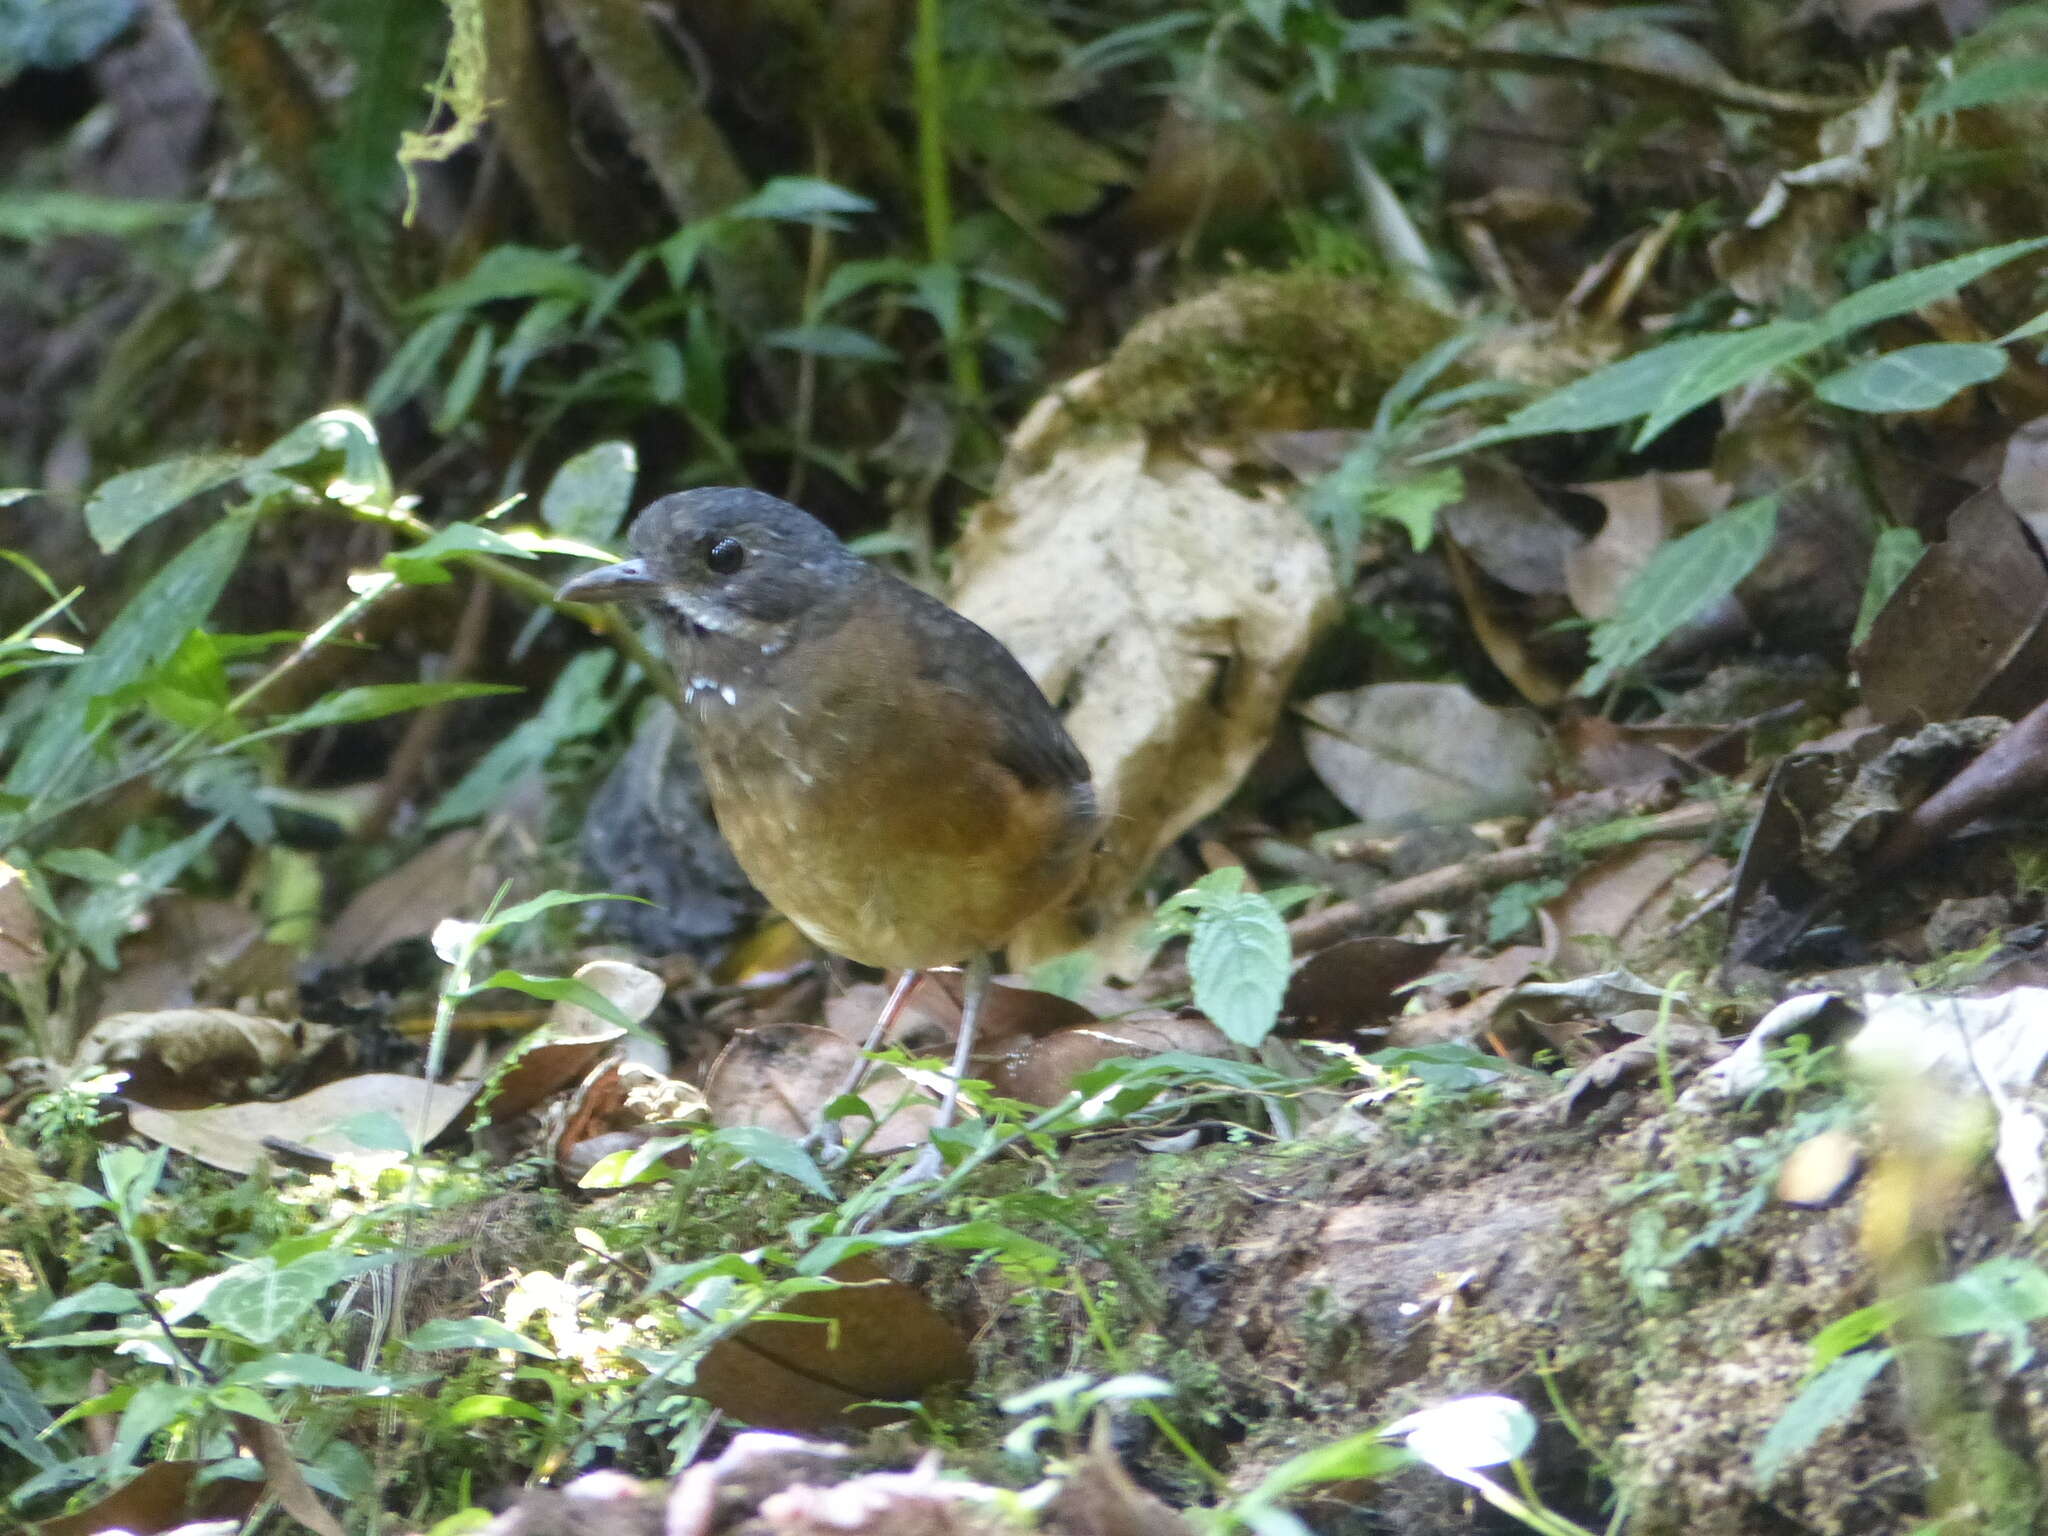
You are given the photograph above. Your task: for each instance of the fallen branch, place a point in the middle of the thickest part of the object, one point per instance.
(1460, 882)
(1635, 79)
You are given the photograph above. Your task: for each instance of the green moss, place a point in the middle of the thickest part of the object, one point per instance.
(1266, 352)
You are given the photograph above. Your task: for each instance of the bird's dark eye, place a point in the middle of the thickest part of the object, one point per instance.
(725, 556)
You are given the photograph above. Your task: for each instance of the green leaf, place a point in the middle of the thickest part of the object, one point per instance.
(515, 272)
(145, 632)
(261, 1301)
(100, 1296)
(1825, 1401)
(1913, 378)
(468, 382)
(1852, 1332)
(426, 563)
(1681, 581)
(336, 454)
(309, 1371)
(128, 503)
(1620, 392)
(1238, 958)
(39, 216)
(25, 1425)
(373, 701)
(154, 1406)
(799, 197)
(1999, 1296)
(555, 989)
(389, 44)
(1892, 557)
(854, 277)
(474, 1333)
(103, 916)
(527, 911)
(1514, 907)
(775, 1152)
(1736, 359)
(543, 324)
(1986, 85)
(1920, 287)
(589, 495)
(577, 706)
(415, 362)
(479, 1406)
(1354, 1458)
(1415, 500)
(831, 341)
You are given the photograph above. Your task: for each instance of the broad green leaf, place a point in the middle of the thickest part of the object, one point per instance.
(426, 563)
(479, 1406)
(1986, 85)
(128, 503)
(335, 454)
(775, 1152)
(100, 1296)
(1620, 392)
(854, 277)
(1238, 959)
(642, 1164)
(798, 197)
(1895, 553)
(831, 341)
(589, 495)
(1681, 581)
(1920, 287)
(146, 631)
(1999, 1296)
(1913, 378)
(1736, 359)
(526, 911)
(389, 46)
(261, 1301)
(104, 914)
(309, 1371)
(542, 324)
(474, 1333)
(468, 381)
(1448, 1066)
(1824, 1402)
(515, 272)
(25, 1423)
(153, 1406)
(415, 362)
(373, 701)
(577, 706)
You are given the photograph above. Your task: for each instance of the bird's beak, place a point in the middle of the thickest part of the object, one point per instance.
(628, 581)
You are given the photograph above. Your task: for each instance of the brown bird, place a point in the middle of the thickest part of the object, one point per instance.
(885, 771)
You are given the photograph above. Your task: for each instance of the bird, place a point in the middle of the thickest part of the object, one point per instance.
(886, 773)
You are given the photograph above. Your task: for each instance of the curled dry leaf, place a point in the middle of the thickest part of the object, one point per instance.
(781, 1075)
(234, 1136)
(1407, 755)
(184, 1058)
(875, 1338)
(1166, 612)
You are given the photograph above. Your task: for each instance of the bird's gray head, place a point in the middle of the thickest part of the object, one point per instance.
(725, 559)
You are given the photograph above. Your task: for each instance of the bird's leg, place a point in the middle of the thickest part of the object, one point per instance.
(981, 972)
(899, 996)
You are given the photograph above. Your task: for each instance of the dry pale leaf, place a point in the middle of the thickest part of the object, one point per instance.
(1407, 755)
(1165, 612)
(234, 1136)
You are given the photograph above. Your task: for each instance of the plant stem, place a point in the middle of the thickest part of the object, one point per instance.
(929, 61)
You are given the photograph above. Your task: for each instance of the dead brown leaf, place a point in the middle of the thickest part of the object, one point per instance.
(234, 1136)
(1627, 899)
(876, 1339)
(781, 1075)
(1356, 984)
(186, 1058)
(448, 875)
(22, 955)
(1644, 513)
(157, 1498)
(1043, 1072)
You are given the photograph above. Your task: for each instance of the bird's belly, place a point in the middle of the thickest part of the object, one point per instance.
(876, 857)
